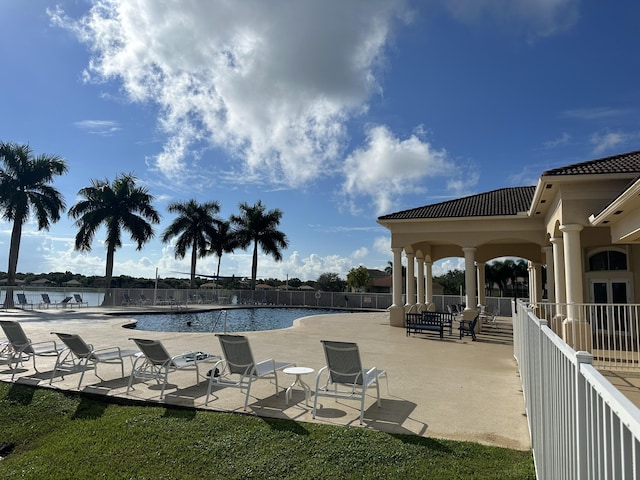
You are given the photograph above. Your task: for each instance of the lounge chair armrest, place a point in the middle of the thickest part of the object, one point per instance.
(371, 371)
(105, 349)
(319, 375)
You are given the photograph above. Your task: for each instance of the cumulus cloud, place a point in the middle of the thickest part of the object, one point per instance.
(388, 167)
(361, 252)
(537, 18)
(272, 83)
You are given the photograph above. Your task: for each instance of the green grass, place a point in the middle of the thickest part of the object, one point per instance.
(46, 434)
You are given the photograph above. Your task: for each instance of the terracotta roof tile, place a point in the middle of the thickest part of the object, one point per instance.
(622, 163)
(505, 201)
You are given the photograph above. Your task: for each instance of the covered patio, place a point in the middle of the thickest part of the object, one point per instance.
(581, 222)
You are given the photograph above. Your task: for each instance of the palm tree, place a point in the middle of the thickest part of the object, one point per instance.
(120, 206)
(195, 224)
(260, 228)
(224, 240)
(24, 186)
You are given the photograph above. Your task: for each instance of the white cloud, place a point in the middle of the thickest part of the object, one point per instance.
(562, 140)
(360, 253)
(389, 167)
(382, 245)
(104, 128)
(607, 140)
(595, 113)
(440, 267)
(273, 82)
(539, 18)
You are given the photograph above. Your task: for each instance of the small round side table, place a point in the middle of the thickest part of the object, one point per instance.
(298, 372)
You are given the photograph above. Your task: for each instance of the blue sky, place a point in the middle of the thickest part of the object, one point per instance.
(334, 112)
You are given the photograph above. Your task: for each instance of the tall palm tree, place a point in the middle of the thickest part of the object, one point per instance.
(260, 228)
(121, 205)
(24, 186)
(224, 240)
(195, 224)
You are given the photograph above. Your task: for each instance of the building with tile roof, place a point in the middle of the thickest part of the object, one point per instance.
(581, 222)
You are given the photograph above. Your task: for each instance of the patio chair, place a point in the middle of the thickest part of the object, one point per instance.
(65, 303)
(468, 327)
(155, 363)
(19, 347)
(81, 356)
(143, 299)
(489, 317)
(346, 376)
(126, 300)
(238, 368)
(23, 302)
(79, 300)
(46, 301)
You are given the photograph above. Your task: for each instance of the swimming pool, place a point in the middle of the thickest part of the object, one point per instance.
(235, 319)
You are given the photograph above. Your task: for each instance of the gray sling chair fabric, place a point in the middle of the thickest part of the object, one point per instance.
(79, 300)
(344, 369)
(238, 368)
(19, 347)
(23, 302)
(81, 356)
(156, 364)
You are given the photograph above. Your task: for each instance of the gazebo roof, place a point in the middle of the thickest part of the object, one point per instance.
(504, 201)
(616, 164)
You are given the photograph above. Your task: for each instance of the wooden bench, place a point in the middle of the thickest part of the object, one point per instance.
(429, 322)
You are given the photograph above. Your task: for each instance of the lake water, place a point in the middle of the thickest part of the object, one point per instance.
(235, 319)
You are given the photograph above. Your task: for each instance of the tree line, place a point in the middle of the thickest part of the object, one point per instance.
(26, 186)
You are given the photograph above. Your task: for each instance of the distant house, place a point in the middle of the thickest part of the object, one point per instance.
(40, 282)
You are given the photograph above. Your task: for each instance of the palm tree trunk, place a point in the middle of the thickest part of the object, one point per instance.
(254, 265)
(14, 250)
(108, 294)
(194, 256)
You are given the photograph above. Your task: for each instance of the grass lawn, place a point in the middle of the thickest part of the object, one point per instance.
(46, 434)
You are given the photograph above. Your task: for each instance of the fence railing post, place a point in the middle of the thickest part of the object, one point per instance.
(582, 400)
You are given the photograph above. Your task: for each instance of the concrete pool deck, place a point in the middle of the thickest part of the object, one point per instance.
(450, 389)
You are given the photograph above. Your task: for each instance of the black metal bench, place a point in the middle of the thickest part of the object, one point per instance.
(429, 322)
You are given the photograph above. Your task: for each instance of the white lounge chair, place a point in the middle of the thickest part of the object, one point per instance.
(156, 364)
(81, 356)
(345, 376)
(19, 347)
(238, 369)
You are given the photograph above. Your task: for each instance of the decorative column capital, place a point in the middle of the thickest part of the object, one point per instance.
(571, 227)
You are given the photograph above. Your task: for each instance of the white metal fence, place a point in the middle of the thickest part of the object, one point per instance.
(610, 332)
(581, 426)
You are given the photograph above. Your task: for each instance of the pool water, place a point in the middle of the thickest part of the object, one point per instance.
(230, 320)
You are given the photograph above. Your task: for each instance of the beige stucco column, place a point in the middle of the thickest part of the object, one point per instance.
(548, 256)
(558, 270)
(573, 262)
(481, 284)
(575, 331)
(420, 262)
(532, 282)
(428, 282)
(396, 310)
(535, 282)
(470, 281)
(559, 283)
(411, 280)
